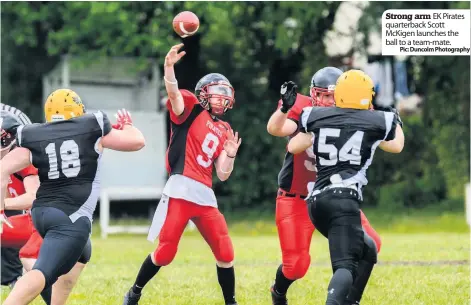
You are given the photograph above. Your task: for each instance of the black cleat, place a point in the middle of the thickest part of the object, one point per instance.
(349, 302)
(131, 298)
(276, 298)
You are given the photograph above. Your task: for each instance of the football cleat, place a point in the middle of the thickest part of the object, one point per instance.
(131, 298)
(277, 299)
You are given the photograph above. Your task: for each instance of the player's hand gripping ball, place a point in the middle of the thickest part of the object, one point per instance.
(186, 24)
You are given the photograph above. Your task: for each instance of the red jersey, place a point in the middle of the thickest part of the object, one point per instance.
(20, 236)
(196, 140)
(298, 169)
(15, 183)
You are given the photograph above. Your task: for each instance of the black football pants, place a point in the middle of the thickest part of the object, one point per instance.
(65, 243)
(336, 215)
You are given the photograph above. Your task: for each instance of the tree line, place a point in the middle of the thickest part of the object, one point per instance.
(258, 46)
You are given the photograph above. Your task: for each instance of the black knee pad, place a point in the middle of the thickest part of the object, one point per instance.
(370, 253)
(347, 249)
(87, 253)
(350, 265)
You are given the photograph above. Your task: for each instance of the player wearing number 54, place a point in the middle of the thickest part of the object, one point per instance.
(295, 228)
(66, 150)
(343, 139)
(199, 141)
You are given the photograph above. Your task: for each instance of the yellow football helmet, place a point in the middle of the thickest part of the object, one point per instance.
(354, 89)
(63, 104)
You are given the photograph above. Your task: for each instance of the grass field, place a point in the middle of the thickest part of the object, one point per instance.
(427, 267)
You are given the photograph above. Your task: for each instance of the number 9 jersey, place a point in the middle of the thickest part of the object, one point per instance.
(196, 141)
(67, 156)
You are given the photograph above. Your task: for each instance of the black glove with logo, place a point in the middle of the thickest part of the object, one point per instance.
(288, 95)
(394, 110)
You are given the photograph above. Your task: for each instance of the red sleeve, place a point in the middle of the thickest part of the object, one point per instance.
(28, 171)
(190, 101)
(295, 112)
(301, 102)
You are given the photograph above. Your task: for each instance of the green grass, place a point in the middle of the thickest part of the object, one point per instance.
(427, 220)
(191, 278)
(402, 221)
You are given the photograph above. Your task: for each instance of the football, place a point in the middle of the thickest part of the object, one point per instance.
(186, 24)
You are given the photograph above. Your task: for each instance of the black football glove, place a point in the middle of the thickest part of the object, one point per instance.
(288, 95)
(394, 110)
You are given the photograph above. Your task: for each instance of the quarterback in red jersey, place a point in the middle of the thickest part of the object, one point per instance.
(295, 228)
(200, 140)
(22, 234)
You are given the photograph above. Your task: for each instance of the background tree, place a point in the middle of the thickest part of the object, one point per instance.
(258, 46)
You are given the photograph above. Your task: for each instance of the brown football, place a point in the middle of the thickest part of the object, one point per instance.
(186, 24)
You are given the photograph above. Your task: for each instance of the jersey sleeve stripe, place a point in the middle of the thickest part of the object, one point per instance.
(100, 120)
(24, 119)
(305, 116)
(388, 118)
(19, 133)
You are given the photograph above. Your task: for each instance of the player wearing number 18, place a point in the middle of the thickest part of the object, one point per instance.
(199, 141)
(344, 139)
(22, 189)
(66, 150)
